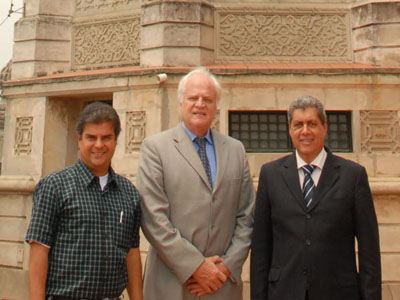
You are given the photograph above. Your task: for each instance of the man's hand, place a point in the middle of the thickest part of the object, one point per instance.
(221, 266)
(207, 278)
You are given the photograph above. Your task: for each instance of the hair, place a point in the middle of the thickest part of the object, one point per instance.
(202, 70)
(304, 102)
(97, 113)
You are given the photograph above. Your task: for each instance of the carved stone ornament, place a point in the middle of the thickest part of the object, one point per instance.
(107, 43)
(5, 73)
(380, 131)
(23, 136)
(276, 34)
(83, 5)
(135, 130)
(215, 122)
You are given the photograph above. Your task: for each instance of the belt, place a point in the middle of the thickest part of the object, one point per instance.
(69, 298)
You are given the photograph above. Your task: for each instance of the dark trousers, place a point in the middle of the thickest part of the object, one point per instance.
(69, 298)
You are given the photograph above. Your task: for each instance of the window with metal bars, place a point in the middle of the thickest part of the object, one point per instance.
(267, 131)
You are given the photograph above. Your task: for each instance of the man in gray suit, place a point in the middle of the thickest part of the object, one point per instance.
(197, 202)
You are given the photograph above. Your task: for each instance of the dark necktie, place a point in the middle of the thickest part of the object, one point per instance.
(308, 184)
(201, 141)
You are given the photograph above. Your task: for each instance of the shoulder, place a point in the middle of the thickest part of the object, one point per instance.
(160, 137)
(280, 162)
(56, 183)
(124, 182)
(230, 141)
(59, 177)
(127, 188)
(347, 164)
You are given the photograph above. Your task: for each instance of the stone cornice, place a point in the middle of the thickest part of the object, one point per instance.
(220, 69)
(21, 184)
(385, 185)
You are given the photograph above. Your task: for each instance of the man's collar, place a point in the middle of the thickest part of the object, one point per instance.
(87, 176)
(192, 136)
(318, 161)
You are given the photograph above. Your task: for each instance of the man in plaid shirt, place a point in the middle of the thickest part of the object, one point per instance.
(84, 231)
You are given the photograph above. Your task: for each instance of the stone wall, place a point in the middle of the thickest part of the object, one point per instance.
(61, 36)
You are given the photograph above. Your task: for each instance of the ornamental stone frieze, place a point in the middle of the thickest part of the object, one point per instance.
(380, 131)
(215, 123)
(88, 5)
(106, 43)
(271, 34)
(135, 130)
(23, 136)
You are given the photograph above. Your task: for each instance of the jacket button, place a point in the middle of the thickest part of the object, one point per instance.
(304, 271)
(308, 216)
(308, 242)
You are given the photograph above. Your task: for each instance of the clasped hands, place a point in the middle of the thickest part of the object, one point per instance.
(208, 277)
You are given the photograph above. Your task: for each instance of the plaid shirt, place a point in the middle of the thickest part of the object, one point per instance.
(89, 231)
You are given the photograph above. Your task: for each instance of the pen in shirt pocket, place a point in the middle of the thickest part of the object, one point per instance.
(120, 218)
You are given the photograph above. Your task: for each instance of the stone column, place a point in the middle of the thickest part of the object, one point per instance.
(43, 39)
(177, 33)
(376, 27)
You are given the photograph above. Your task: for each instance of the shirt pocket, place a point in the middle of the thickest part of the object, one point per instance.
(123, 227)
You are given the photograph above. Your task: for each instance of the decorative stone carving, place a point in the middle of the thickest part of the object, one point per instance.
(5, 73)
(106, 43)
(380, 131)
(83, 5)
(277, 34)
(23, 136)
(215, 122)
(135, 130)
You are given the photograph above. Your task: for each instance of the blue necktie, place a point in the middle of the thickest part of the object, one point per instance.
(308, 184)
(201, 141)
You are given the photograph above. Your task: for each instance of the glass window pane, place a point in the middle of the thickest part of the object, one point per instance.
(267, 131)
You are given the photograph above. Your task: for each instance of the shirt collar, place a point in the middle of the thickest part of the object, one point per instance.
(87, 176)
(192, 136)
(318, 161)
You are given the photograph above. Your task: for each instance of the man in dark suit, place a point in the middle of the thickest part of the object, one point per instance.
(306, 222)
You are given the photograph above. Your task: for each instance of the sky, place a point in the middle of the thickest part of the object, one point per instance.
(7, 29)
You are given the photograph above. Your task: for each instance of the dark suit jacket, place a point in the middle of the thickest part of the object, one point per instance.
(295, 248)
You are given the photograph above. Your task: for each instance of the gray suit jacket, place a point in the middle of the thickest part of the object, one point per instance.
(185, 220)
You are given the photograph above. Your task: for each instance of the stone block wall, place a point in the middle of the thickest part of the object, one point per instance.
(62, 36)
(15, 210)
(375, 32)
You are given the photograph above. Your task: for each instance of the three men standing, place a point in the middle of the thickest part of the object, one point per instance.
(310, 207)
(197, 202)
(197, 213)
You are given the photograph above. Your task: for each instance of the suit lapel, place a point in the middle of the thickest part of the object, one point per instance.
(291, 178)
(221, 156)
(329, 176)
(185, 147)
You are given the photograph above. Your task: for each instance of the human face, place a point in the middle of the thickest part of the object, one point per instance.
(307, 133)
(96, 146)
(199, 103)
